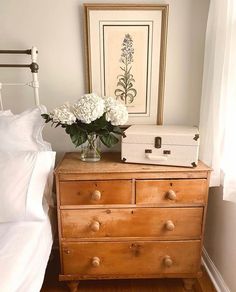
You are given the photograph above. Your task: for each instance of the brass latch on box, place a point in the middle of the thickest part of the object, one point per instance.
(157, 142)
(148, 150)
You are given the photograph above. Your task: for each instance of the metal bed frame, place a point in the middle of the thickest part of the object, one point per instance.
(33, 67)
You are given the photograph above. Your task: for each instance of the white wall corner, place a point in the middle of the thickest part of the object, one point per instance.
(213, 273)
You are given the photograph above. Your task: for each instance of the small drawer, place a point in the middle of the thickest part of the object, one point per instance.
(137, 258)
(171, 192)
(95, 192)
(158, 223)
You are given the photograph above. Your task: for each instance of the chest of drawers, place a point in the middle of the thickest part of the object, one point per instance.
(121, 220)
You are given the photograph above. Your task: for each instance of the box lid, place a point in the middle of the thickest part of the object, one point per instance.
(170, 135)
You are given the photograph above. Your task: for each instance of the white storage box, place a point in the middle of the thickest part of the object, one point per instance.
(162, 145)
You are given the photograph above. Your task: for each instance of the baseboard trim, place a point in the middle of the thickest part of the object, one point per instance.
(213, 273)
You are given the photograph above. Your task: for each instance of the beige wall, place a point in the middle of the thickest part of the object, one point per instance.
(56, 28)
(220, 236)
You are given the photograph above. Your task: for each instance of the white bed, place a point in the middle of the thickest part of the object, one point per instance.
(24, 252)
(26, 219)
(26, 233)
(26, 174)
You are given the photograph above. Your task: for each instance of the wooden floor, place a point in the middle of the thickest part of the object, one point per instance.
(51, 283)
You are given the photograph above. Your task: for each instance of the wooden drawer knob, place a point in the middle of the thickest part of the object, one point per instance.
(95, 226)
(96, 195)
(170, 225)
(95, 261)
(171, 195)
(168, 261)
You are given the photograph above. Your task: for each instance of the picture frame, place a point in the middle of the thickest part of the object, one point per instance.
(125, 47)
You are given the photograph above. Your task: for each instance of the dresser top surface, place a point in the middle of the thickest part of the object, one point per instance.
(111, 163)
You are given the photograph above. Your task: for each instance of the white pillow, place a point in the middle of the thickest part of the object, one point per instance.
(39, 195)
(23, 132)
(24, 177)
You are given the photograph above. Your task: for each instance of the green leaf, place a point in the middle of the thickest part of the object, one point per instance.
(46, 117)
(70, 129)
(67, 129)
(102, 132)
(77, 135)
(101, 122)
(109, 140)
(117, 130)
(78, 138)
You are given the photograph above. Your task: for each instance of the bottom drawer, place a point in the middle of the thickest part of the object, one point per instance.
(130, 258)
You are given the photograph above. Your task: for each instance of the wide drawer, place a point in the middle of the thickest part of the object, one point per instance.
(166, 223)
(130, 258)
(171, 192)
(96, 192)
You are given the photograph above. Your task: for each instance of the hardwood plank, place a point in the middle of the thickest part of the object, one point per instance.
(205, 283)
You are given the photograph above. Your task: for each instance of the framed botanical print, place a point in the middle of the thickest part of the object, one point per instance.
(125, 48)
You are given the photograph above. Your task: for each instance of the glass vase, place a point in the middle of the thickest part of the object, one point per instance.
(91, 149)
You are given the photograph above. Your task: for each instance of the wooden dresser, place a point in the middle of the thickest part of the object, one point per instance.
(119, 220)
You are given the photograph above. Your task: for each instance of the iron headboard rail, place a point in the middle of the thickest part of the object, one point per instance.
(34, 67)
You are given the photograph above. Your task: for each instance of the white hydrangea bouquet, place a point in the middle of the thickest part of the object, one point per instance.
(90, 118)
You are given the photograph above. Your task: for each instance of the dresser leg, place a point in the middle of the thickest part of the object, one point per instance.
(73, 285)
(188, 284)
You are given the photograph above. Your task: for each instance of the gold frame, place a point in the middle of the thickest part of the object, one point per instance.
(164, 26)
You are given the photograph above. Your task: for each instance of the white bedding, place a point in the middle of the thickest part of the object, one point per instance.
(26, 175)
(24, 252)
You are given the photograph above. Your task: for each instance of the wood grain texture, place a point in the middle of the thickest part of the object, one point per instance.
(73, 285)
(52, 284)
(188, 284)
(133, 222)
(191, 191)
(111, 164)
(204, 284)
(81, 192)
(130, 258)
(132, 229)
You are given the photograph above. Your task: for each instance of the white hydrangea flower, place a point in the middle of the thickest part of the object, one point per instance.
(117, 113)
(62, 114)
(89, 108)
(109, 102)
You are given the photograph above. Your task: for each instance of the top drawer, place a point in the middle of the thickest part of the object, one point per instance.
(171, 192)
(96, 192)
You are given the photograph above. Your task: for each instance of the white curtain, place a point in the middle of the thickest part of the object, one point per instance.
(218, 104)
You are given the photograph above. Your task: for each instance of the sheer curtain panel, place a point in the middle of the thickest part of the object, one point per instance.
(218, 104)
